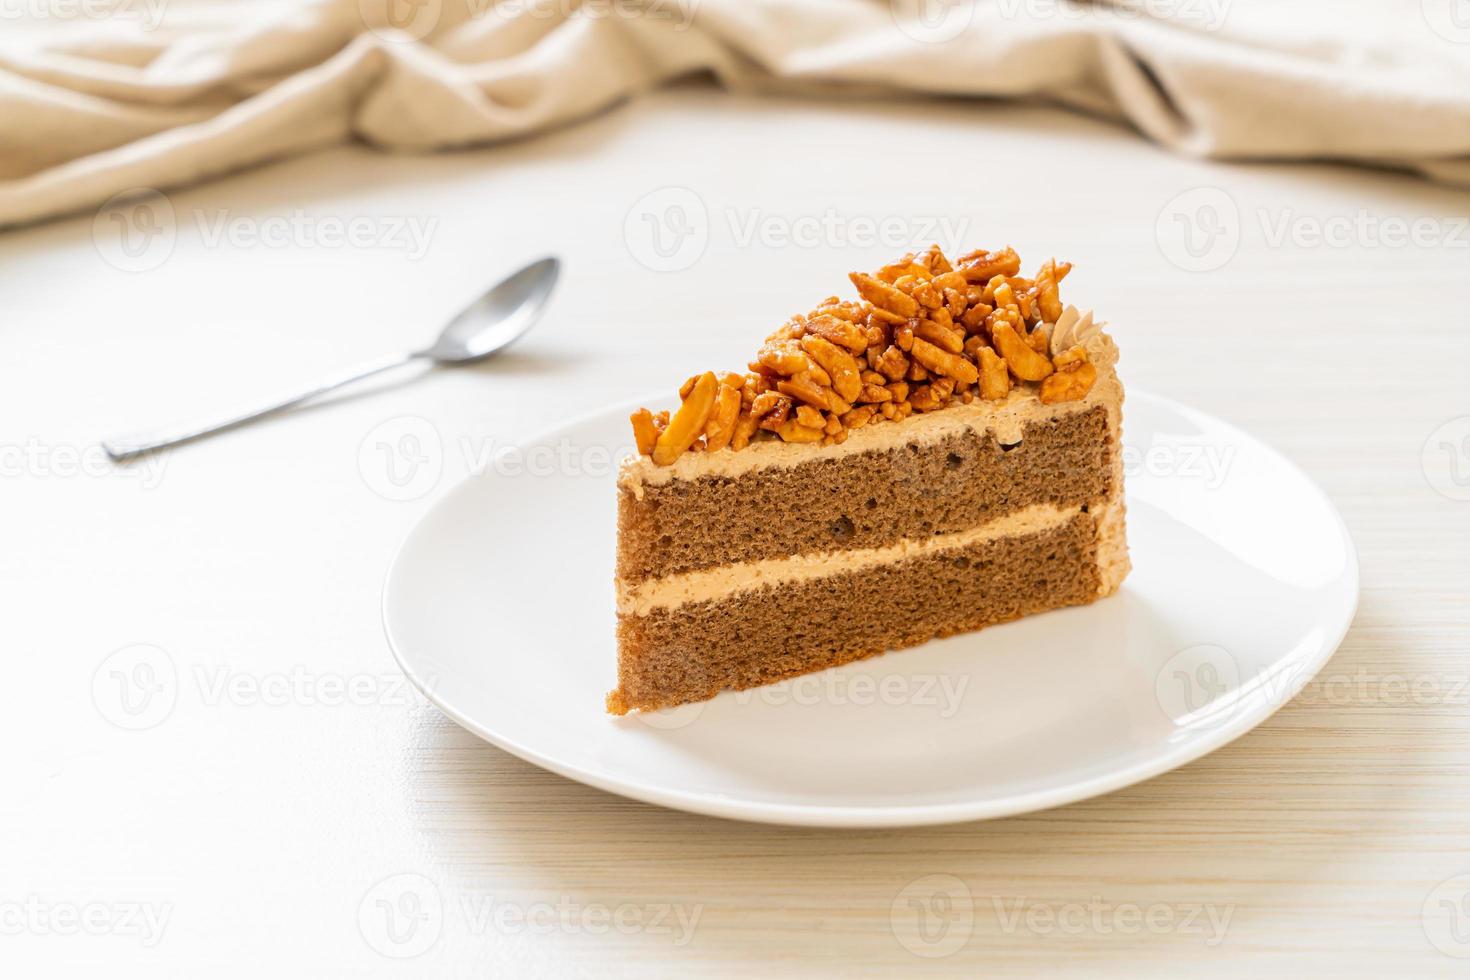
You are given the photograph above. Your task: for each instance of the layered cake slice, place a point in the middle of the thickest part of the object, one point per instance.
(936, 456)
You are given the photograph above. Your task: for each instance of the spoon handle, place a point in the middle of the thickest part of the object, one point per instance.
(121, 447)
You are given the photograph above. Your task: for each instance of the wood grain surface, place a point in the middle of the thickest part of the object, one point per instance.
(270, 798)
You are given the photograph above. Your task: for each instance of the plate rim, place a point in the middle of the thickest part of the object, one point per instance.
(879, 816)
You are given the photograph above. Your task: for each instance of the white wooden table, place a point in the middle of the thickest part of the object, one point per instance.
(211, 764)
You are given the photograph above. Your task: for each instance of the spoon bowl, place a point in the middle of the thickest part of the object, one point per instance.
(499, 317)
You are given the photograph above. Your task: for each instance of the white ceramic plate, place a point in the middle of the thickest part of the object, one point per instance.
(500, 608)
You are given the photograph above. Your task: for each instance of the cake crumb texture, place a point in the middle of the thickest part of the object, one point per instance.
(863, 500)
(694, 652)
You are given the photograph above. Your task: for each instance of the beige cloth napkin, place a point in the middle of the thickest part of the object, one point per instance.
(111, 95)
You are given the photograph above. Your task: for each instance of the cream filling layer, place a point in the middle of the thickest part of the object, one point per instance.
(728, 580)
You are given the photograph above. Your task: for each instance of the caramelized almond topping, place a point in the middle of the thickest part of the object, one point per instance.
(925, 333)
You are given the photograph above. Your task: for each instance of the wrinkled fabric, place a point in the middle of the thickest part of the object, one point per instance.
(124, 94)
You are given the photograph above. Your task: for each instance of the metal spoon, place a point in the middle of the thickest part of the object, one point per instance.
(489, 324)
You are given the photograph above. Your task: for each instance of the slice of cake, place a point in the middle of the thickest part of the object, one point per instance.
(937, 456)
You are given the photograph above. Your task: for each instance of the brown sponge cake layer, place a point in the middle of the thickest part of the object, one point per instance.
(696, 650)
(862, 500)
